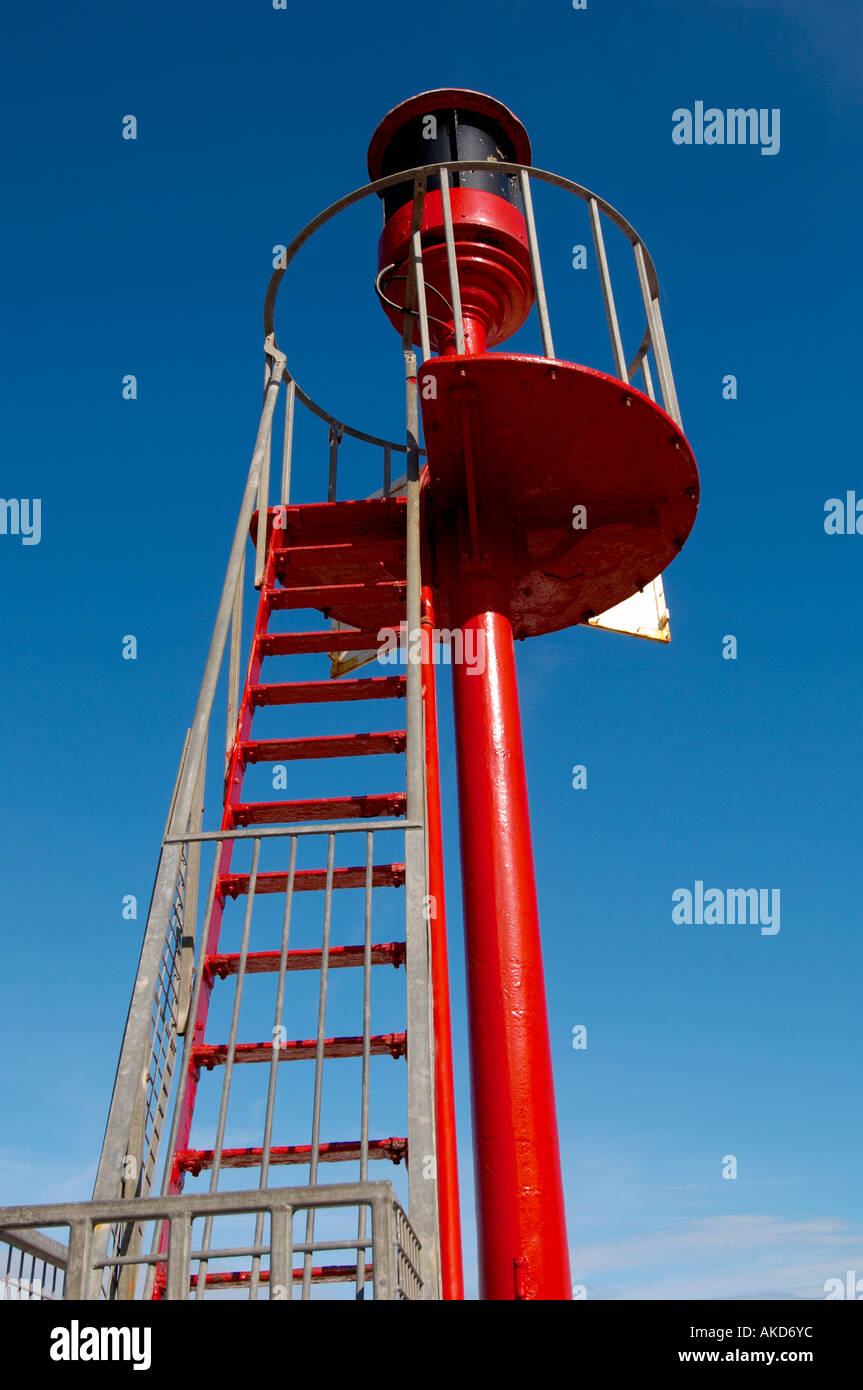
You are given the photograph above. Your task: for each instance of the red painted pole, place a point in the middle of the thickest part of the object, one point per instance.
(449, 1213)
(521, 1218)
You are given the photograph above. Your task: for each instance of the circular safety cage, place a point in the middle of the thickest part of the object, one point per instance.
(416, 304)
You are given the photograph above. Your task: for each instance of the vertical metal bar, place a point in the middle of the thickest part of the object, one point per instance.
(179, 1259)
(229, 1060)
(657, 338)
(607, 294)
(281, 1250)
(367, 1031)
(263, 498)
(454, 291)
(536, 266)
(648, 379)
(413, 595)
(335, 438)
(274, 1060)
(235, 1017)
(288, 446)
(387, 470)
(422, 1188)
(319, 1062)
(234, 661)
(415, 278)
(446, 1148)
(418, 273)
(77, 1284)
(190, 908)
(383, 1248)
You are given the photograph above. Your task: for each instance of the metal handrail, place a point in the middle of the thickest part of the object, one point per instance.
(420, 174)
(262, 832)
(134, 1052)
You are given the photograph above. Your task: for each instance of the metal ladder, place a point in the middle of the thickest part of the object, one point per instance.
(357, 561)
(349, 556)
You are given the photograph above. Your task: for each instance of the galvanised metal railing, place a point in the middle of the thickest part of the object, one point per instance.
(388, 1257)
(326, 957)
(653, 342)
(32, 1266)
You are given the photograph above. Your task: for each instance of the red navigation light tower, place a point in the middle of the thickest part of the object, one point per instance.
(514, 443)
(551, 494)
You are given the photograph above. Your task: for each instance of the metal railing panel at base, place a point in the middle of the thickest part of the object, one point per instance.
(32, 1267)
(391, 1254)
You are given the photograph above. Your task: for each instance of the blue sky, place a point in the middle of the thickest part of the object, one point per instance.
(151, 257)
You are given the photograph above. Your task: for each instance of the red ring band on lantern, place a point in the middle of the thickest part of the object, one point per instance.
(493, 262)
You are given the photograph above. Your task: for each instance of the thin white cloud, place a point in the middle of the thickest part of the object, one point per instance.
(734, 1256)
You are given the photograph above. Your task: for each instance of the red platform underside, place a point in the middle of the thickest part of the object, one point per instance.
(538, 438)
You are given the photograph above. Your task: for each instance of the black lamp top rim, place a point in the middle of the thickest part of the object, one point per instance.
(442, 98)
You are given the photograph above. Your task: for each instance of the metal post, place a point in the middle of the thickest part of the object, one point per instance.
(263, 498)
(179, 1259)
(78, 1267)
(521, 1218)
(335, 440)
(422, 1183)
(383, 1248)
(417, 267)
(648, 379)
(281, 1256)
(536, 266)
(234, 662)
(657, 337)
(452, 265)
(449, 1215)
(314, 1155)
(607, 294)
(387, 471)
(288, 446)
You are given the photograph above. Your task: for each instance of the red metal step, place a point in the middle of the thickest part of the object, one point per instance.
(324, 597)
(319, 521)
(314, 880)
(197, 1161)
(355, 559)
(211, 1055)
(323, 692)
(321, 1274)
(328, 808)
(278, 750)
(305, 643)
(361, 521)
(339, 958)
